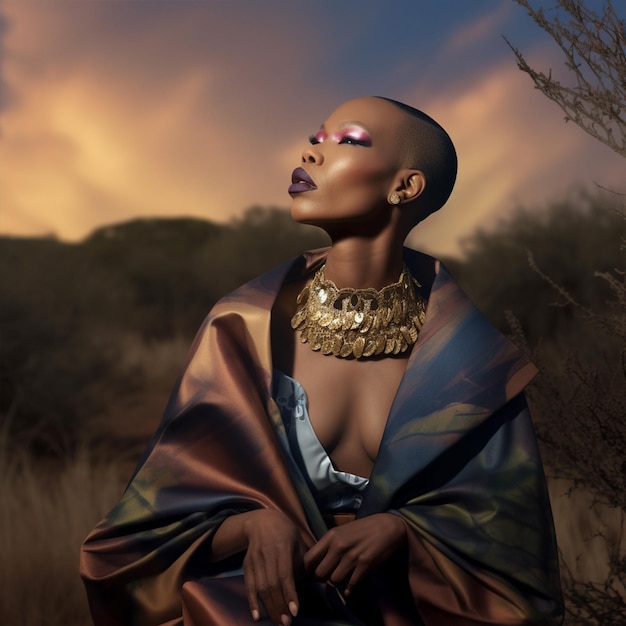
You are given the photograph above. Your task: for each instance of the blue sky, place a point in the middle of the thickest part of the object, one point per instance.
(114, 109)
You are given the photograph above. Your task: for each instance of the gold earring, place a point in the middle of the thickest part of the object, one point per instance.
(394, 198)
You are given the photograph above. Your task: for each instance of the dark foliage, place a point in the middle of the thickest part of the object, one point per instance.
(68, 308)
(571, 240)
(554, 279)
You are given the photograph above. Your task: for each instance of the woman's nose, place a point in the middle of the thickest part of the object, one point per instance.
(311, 154)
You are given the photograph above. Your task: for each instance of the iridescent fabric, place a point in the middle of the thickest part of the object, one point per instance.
(458, 461)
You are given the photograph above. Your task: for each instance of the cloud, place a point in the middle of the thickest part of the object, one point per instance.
(126, 109)
(100, 130)
(476, 31)
(514, 150)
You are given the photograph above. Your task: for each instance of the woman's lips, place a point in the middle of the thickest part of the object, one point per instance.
(301, 181)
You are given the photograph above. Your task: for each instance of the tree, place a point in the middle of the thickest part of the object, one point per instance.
(593, 45)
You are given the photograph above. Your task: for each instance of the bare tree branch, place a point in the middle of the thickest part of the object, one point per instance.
(594, 48)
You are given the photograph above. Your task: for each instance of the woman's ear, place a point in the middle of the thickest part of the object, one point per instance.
(410, 184)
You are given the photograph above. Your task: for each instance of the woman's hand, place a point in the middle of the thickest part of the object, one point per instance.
(273, 558)
(349, 551)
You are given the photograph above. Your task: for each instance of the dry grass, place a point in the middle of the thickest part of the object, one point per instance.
(592, 545)
(588, 532)
(46, 512)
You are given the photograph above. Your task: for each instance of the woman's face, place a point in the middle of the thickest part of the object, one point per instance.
(350, 165)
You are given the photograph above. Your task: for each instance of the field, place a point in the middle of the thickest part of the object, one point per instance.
(46, 512)
(92, 358)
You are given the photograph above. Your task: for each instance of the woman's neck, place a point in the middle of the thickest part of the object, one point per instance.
(362, 262)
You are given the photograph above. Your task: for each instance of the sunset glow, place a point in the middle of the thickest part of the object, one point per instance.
(128, 109)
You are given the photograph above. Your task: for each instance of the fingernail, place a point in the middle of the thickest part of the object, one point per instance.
(255, 615)
(285, 620)
(293, 608)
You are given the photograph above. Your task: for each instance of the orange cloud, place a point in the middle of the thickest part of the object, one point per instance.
(514, 150)
(83, 145)
(119, 114)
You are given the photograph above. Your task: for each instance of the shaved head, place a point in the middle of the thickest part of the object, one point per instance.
(427, 147)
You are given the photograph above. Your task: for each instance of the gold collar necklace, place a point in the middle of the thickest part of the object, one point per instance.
(359, 323)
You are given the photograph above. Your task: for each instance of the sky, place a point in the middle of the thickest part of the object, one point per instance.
(112, 110)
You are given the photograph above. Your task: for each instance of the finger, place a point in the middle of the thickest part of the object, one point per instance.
(261, 592)
(277, 610)
(271, 594)
(327, 566)
(315, 554)
(288, 584)
(342, 571)
(318, 552)
(251, 592)
(358, 573)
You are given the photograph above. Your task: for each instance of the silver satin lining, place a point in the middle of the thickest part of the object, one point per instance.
(291, 398)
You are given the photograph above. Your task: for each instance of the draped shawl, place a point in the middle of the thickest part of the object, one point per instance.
(458, 461)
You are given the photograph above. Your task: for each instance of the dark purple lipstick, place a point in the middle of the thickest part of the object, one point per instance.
(301, 181)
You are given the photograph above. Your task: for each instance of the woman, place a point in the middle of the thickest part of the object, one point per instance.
(349, 442)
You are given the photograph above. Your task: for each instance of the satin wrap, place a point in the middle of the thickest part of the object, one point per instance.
(458, 461)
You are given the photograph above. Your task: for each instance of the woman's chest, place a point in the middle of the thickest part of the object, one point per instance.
(348, 403)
